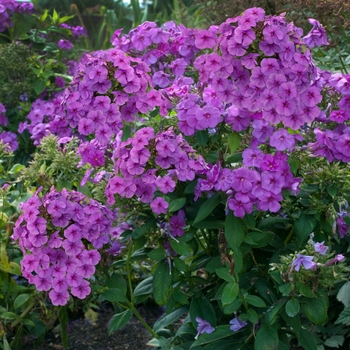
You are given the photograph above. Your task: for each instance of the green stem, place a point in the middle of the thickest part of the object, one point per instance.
(128, 271)
(141, 319)
(344, 71)
(290, 234)
(23, 314)
(68, 77)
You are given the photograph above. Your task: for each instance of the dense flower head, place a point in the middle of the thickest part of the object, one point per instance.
(8, 8)
(150, 162)
(207, 80)
(60, 234)
(9, 139)
(64, 44)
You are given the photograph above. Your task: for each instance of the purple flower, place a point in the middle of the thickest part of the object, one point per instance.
(159, 206)
(282, 140)
(65, 44)
(338, 258)
(205, 39)
(343, 227)
(203, 327)
(304, 260)
(320, 248)
(317, 35)
(237, 324)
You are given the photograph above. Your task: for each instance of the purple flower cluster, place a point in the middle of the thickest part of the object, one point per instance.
(64, 44)
(46, 118)
(8, 8)
(150, 162)
(211, 79)
(77, 31)
(234, 82)
(260, 181)
(9, 139)
(333, 143)
(317, 35)
(3, 118)
(56, 233)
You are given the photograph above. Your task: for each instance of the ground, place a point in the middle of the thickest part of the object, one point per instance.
(84, 335)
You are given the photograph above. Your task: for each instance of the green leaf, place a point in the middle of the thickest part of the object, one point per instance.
(272, 312)
(344, 294)
(180, 297)
(16, 169)
(332, 191)
(234, 230)
(39, 86)
(177, 204)
(234, 158)
(20, 300)
(119, 320)
(63, 318)
(273, 220)
(22, 24)
(140, 231)
(65, 19)
(202, 137)
(306, 338)
(210, 224)
(231, 308)
(258, 239)
(344, 317)
(144, 287)
(181, 248)
(255, 301)
(207, 207)
(6, 344)
(224, 273)
(55, 16)
(117, 281)
(161, 283)
(114, 295)
(234, 141)
(304, 226)
(229, 293)
(9, 315)
(252, 316)
(305, 290)
(169, 319)
(201, 307)
(267, 337)
(292, 307)
(180, 264)
(335, 341)
(219, 333)
(315, 310)
(157, 254)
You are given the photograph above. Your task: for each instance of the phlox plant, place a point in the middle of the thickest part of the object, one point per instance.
(36, 52)
(221, 150)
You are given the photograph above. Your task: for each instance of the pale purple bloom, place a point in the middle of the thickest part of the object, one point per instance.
(205, 39)
(65, 44)
(159, 206)
(282, 140)
(320, 248)
(203, 327)
(304, 260)
(337, 258)
(317, 35)
(237, 324)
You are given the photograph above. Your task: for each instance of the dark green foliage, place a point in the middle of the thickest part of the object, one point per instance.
(16, 76)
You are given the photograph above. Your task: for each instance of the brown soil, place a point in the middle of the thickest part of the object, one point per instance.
(84, 335)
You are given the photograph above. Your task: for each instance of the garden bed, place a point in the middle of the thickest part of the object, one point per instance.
(88, 335)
